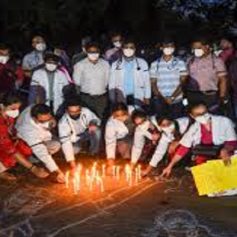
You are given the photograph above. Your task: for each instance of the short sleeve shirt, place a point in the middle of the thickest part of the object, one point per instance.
(167, 74)
(205, 72)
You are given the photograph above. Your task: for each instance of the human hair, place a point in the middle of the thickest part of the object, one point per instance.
(138, 114)
(73, 101)
(4, 46)
(120, 107)
(10, 99)
(92, 45)
(40, 109)
(129, 41)
(168, 40)
(204, 40)
(115, 34)
(193, 106)
(51, 56)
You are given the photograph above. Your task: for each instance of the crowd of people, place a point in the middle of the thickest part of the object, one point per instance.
(180, 106)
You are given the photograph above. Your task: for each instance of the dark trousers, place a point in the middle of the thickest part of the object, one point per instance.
(161, 108)
(96, 104)
(211, 99)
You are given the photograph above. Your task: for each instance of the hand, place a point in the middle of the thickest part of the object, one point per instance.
(168, 100)
(225, 156)
(155, 137)
(166, 172)
(60, 178)
(146, 101)
(53, 123)
(92, 128)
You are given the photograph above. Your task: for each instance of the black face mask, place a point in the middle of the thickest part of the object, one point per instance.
(75, 117)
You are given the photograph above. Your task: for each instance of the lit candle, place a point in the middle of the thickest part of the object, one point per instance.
(87, 177)
(118, 172)
(77, 179)
(128, 174)
(103, 170)
(67, 179)
(99, 181)
(114, 170)
(74, 185)
(139, 172)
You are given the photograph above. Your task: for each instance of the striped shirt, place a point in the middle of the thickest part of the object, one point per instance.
(167, 75)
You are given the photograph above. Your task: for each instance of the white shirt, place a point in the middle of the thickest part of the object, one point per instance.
(92, 78)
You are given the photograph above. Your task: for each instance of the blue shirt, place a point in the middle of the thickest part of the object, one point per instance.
(129, 77)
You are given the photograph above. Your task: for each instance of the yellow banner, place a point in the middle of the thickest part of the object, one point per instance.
(214, 176)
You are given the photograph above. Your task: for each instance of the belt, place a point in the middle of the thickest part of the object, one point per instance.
(96, 96)
(210, 92)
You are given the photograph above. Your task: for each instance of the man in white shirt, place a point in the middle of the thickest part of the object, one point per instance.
(91, 76)
(78, 124)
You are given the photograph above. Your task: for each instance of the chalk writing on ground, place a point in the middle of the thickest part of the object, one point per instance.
(179, 222)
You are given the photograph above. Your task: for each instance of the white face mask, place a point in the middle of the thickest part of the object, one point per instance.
(203, 119)
(40, 47)
(45, 125)
(169, 129)
(51, 67)
(93, 56)
(198, 52)
(4, 59)
(13, 113)
(128, 52)
(168, 51)
(117, 44)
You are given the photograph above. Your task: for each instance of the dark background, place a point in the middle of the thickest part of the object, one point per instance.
(66, 21)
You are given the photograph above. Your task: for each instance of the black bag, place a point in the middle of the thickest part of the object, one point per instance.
(206, 150)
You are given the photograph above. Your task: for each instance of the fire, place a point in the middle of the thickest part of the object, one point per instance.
(95, 177)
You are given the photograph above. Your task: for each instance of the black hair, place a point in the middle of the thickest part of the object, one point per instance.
(120, 107)
(51, 56)
(194, 105)
(115, 33)
(4, 46)
(204, 40)
(40, 109)
(168, 40)
(92, 44)
(138, 114)
(129, 41)
(10, 99)
(73, 101)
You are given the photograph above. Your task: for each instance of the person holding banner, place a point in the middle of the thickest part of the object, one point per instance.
(211, 136)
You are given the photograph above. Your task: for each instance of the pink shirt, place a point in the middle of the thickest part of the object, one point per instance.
(205, 72)
(227, 54)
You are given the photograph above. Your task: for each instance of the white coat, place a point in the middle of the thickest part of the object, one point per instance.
(141, 133)
(40, 78)
(142, 84)
(166, 139)
(114, 130)
(222, 131)
(35, 136)
(69, 133)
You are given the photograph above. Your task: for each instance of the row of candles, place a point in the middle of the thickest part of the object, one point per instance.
(95, 177)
